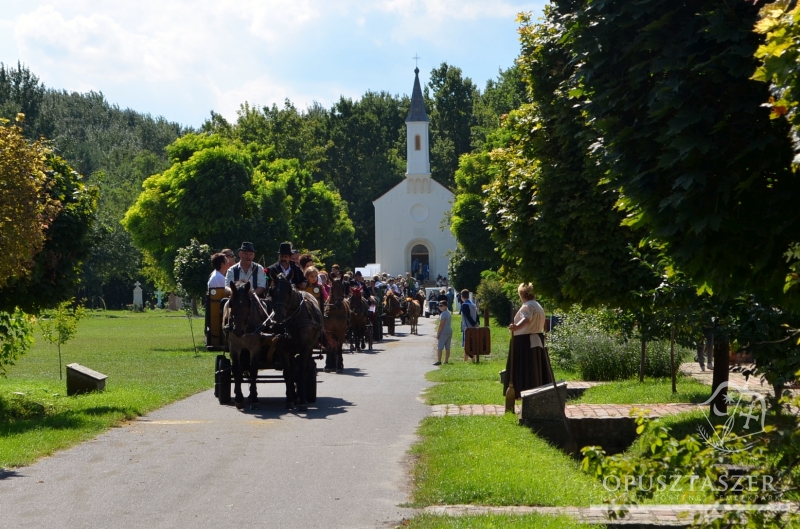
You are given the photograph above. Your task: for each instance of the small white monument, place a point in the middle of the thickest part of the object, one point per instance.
(137, 296)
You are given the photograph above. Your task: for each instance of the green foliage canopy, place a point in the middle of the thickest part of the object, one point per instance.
(668, 86)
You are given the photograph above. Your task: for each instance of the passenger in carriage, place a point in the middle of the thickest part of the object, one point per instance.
(334, 272)
(314, 287)
(217, 278)
(247, 270)
(357, 281)
(325, 282)
(305, 261)
(287, 267)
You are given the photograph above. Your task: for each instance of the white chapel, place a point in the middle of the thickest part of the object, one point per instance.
(408, 217)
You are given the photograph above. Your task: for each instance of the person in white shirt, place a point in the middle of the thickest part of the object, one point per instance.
(531, 368)
(247, 270)
(217, 278)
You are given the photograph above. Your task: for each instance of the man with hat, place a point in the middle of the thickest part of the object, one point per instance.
(247, 270)
(287, 267)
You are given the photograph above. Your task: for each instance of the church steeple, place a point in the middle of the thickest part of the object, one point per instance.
(417, 110)
(418, 158)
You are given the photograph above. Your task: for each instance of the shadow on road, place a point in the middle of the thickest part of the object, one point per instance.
(5, 474)
(274, 408)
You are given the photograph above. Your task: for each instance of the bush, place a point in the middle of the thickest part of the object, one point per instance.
(583, 343)
(494, 296)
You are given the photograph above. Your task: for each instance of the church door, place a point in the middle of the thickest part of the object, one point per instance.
(419, 256)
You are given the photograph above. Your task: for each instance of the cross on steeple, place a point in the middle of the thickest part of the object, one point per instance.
(416, 60)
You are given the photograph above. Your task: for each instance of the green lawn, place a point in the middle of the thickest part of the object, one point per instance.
(651, 391)
(495, 521)
(149, 360)
(492, 461)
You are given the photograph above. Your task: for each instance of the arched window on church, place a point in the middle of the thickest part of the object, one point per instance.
(417, 143)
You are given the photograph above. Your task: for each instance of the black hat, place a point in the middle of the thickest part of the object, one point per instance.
(285, 249)
(247, 247)
(358, 273)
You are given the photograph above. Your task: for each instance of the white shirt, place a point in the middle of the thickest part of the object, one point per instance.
(261, 280)
(534, 313)
(216, 280)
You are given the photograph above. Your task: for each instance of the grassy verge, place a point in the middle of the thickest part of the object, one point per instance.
(651, 391)
(492, 461)
(493, 521)
(148, 358)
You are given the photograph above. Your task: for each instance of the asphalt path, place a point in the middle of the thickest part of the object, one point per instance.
(344, 463)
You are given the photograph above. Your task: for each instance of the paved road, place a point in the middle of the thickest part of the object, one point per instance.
(198, 464)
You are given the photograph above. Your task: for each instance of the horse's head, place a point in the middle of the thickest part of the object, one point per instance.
(337, 290)
(239, 307)
(281, 293)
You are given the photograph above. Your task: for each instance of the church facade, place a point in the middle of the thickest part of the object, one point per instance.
(409, 217)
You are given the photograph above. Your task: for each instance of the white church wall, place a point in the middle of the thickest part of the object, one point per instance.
(404, 218)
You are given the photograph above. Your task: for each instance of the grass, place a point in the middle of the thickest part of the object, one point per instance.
(493, 521)
(492, 461)
(149, 360)
(651, 391)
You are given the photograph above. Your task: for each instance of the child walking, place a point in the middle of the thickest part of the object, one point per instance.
(444, 334)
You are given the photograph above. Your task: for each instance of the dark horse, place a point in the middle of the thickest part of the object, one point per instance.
(359, 311)
(337, 320)
(298, 316)
(243, 319)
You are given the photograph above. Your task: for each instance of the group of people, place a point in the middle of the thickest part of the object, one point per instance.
(527, 364)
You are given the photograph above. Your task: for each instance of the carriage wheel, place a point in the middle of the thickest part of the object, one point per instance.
(223, 381)
(311, 383)
(370, 336)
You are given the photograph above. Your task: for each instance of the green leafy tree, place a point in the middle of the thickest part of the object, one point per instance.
(60, 325)
(16, 337)
(218, 191)
(192, 266)
(547, 209)
(451, 98)
(54, 273)
(464, 272)
(665, 83)
(26, 207)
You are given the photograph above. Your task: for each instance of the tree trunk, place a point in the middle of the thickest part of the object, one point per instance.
(721, 360)
(641, 363)
(672, 360)
(194, 307)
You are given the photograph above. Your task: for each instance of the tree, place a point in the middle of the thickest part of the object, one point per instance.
(16, 337)
(61, 324)
(220, 193)
(20, 93)
(666, 83)
(192, 266)
(26, 207)
(547, 210)
(54, 273)
(451, 107)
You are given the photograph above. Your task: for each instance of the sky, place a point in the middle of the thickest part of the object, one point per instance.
(180, 59)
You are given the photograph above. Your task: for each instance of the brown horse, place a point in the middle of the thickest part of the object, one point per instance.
(359, 312)
(413, 315)
(243, 319)
(391, 309)
(337, 320)
(298, 316)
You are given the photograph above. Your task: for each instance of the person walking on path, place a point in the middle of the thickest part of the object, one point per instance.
(469, 317)
(444, 334)
(530, 368)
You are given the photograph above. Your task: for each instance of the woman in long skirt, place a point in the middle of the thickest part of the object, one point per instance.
(530, 368)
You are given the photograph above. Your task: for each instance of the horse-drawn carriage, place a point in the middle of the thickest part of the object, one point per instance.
(276, 335)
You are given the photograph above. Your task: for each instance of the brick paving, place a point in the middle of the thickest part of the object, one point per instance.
(576, 411)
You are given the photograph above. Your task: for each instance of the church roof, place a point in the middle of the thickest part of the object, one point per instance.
(417, 110)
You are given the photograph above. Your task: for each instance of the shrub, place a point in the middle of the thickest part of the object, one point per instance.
(493, 295)
(583, 343)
